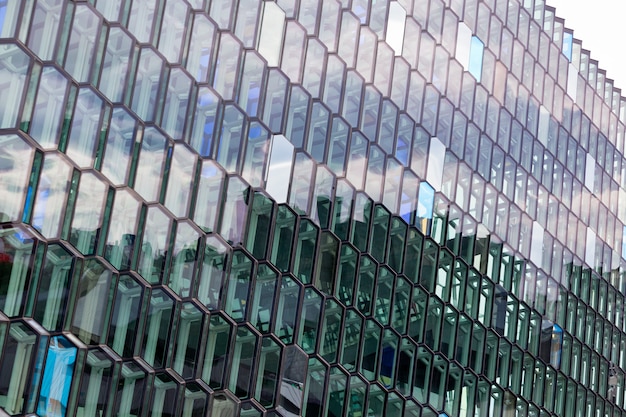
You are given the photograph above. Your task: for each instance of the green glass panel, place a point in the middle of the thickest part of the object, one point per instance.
(16, 250)
(259, 225)
(351, 340)
(346, 274)
(417, 315)
(376, 400)
(126, 312)
(53, 288)
(243, 366)
(306, 243)
(342, 209)
(157, 336)
(188, 340)
(211, 277)
(284, 236)
(94, 299)
(22, 345)
(239, 279)
(266, 380)
(336, 392)
(401, 304)
(331, 330)
(131, 390)
(371, 353)
(310, 320)
(382, 297)
(314, 388)
(218, 347)
(288, 301)
(365, 285)
(265, 286)
(164, 395)
(326, 263)
(95, 387)
(87, 219)
(356, 397)
(195, 400)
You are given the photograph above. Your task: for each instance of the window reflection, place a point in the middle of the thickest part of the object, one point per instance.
(57, 378)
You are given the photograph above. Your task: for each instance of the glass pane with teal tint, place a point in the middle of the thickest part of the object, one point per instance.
(236, 303)
(53, 288)
(243, 366)
(322, 197)
(351, 340)
(57, 377)
(16, 248)
(211, 278)
(15, 165)
(119, 146)
(155, 244)
(310, 320)
(305, 248)
(336, 396)
(294, 371)
(217, 352)
(131, 389)
(184, 256)
(157, 334)
(284, 236)
(330, 330)
(45, 126)
(22, 345)
(286, 315)
(195, 401)
(14, 67)
(126, 312)
(326, 263)
(95, 386)
(116, 62)
(94, 296)
(85, 128)
(356, 397)
(122, 233)
(259, 225)
(366, 282)
(361, 221)
(191, 326)
(164, 395)
(263, 298)
(266, 379)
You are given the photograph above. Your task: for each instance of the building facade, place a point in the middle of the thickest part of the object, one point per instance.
(308, 208)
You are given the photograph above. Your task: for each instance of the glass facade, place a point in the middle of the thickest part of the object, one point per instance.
(308, 208)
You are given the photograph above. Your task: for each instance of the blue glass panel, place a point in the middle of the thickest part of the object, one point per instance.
(57, 378)
(568, 40)
(476, 57)
(3, 13)
(557, 346)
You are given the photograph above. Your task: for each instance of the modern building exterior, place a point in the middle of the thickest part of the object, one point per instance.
(308, 208)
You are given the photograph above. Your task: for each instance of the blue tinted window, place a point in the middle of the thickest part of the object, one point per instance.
(568, 39)
(477, 49)
(57, 377)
